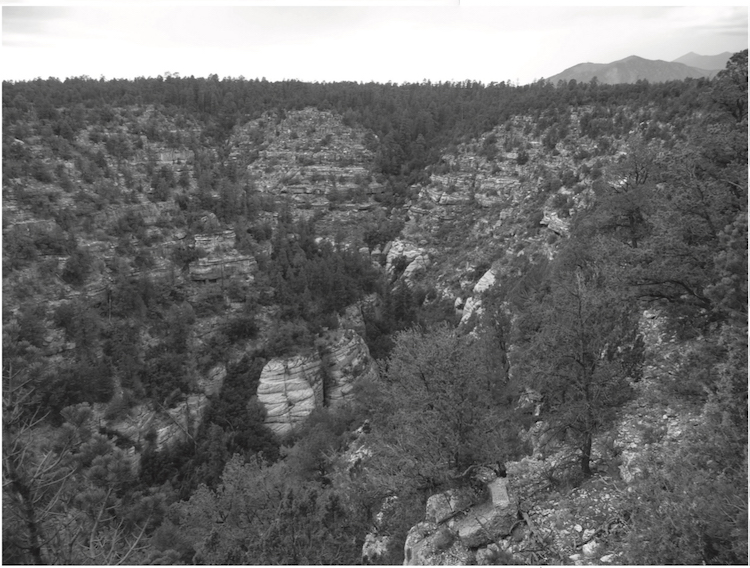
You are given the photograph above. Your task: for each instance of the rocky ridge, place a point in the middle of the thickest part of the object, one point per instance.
(490, 208)
(551, 522)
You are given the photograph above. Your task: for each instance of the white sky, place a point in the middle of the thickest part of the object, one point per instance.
(350, 40)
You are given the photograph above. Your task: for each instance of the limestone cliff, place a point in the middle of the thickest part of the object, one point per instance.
(309, 155)
(291, 388)
(222, 261)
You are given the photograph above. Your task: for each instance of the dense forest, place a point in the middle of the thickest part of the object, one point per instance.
(169, 241)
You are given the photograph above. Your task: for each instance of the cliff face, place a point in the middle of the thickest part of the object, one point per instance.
(148, 221)
(134, 223)
(222, 261)
(489, 204)
(308, 155)
(291, 388)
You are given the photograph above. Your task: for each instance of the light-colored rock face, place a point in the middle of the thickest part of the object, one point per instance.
(472, 306)
(486, 282)
(291, 388)
(415, 259)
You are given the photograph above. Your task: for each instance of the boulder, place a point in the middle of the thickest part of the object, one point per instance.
(455, 525)
(484, 524)
(499, 492)
(554, 223)
(590, 548)
(471, 306)
(444, 506)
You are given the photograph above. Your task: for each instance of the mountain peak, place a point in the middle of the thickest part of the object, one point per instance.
(710, 62)
(635, 68)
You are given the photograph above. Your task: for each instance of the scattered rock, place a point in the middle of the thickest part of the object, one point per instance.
(425, 546)
(590, 548)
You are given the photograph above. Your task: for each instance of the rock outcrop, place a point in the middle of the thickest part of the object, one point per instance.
(348, 360)
(459, 525)
(552, 221)
(172, 427)
(404, 259)
(291, 388)
(473, 304)
(222, 261)
(309, 155)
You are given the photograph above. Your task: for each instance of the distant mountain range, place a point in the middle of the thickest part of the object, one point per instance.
(634, 68)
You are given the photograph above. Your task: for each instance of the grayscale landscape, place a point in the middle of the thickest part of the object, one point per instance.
(280, 319)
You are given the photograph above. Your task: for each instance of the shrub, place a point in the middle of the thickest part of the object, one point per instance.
(288, 338)
(691, 507)
(240, 327)
(77, 267)
(41, 172)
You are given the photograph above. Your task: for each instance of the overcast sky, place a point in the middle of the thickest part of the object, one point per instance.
(350, 40)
